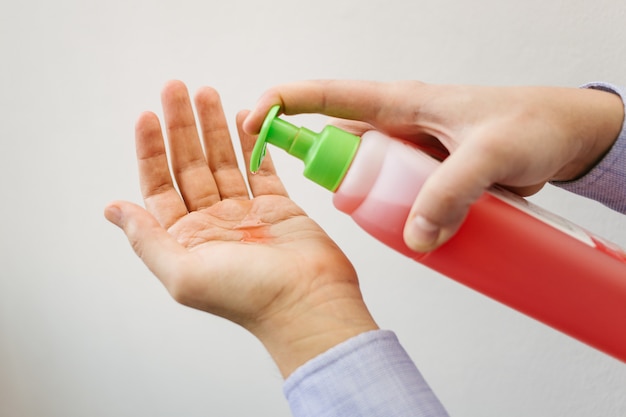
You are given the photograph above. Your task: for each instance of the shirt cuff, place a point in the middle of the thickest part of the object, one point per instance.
(369, 375)
(606, 182)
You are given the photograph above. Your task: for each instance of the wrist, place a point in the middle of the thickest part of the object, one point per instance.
(322, 320)
(598, 125)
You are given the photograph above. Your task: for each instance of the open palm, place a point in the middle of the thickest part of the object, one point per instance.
(260, 261)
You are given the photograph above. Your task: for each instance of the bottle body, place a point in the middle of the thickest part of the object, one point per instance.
(506, 249)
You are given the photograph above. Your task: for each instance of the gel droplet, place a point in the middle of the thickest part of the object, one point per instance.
(253, 229)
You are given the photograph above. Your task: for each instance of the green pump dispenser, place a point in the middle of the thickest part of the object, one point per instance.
(327, 155)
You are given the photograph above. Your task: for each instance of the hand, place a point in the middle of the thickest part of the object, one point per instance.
(259, 262)
(517, 137)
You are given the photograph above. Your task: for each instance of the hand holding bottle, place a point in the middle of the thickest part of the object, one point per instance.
(517, 137)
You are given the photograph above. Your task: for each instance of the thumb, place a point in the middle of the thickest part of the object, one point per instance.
(445, 198)
(159, 250)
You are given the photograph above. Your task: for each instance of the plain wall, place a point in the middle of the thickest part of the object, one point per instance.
(86, 330)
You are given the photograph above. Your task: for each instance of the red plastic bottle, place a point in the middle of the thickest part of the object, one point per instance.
(508, 249)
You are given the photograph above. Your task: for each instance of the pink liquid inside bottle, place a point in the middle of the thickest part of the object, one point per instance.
(507, 249)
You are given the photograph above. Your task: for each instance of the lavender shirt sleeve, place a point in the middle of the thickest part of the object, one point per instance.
(369, 375)
(606, 182)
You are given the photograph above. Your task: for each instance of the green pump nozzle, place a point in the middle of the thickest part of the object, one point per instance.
(327, 155)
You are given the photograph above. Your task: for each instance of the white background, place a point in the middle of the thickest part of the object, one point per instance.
(86, 330)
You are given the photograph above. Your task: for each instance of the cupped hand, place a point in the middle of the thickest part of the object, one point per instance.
(256, 260)
(516, 137)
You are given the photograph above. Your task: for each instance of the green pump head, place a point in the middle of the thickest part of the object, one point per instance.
(327, 155)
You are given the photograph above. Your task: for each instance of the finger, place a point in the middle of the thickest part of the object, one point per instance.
(351, 126)
(159, 250)
(219, 146)
(428, 144)
(445, 198)
(158, 191)
(191, 170)
(528, 190)
(264, 181)
(355, 100)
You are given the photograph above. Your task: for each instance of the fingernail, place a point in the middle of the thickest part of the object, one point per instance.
(421, 233)
(245, 125)
(113, 214)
